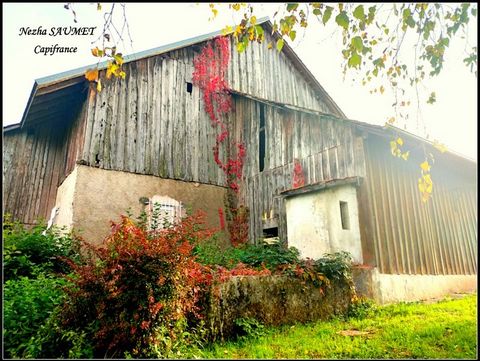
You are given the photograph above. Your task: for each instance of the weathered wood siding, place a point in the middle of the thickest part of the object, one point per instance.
(150, 124)
(403, 235)
(36, 161)
(327, 148)
(271, 75)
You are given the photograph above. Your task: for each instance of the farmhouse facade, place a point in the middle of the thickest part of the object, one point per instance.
(90, 156)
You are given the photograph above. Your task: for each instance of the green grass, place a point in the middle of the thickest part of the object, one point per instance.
(447, 329)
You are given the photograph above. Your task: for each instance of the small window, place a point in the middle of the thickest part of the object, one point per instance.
(270, 232)
(344, 215)
(163, 212)
(261, 139)
(189, 87)
(270, 235)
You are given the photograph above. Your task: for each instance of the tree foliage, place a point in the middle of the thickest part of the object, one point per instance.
(373, 36)
(394, 46)
(375, 48)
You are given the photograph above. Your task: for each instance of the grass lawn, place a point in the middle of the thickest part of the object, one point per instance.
(443, 330)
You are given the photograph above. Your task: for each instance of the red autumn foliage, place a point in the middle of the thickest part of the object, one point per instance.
(298, 177)
(210, 67)
(135, 280)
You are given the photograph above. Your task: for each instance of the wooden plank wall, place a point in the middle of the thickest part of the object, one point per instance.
(36, 161)
(408, 236)
(268, 74)
(149, 123)
(327, 148)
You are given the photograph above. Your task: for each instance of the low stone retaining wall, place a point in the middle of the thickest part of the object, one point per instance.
(272, 300)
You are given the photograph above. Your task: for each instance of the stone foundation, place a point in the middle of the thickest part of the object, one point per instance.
(386, 288)
(272, 300)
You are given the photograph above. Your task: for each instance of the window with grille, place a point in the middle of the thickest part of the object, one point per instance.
(164, 212)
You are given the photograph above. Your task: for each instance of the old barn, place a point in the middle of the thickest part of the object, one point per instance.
(312, 177)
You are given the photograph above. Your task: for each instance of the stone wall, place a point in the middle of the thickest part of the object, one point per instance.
(272, 300)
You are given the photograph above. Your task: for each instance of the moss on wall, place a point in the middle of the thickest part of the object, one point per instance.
(272, 300)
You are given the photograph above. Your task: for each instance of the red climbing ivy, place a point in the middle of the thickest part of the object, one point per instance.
(210, 67)
(298, 177)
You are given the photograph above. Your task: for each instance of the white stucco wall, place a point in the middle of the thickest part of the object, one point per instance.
(394, 288)
(64, 201)
(314, 223)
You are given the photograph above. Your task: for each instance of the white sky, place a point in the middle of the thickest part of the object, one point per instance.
(452, 120)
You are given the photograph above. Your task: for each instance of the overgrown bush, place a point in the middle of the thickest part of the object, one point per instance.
(34, 283)
(137, 293)
(278, 259)
(262, 255)
(28, 303)
(335, 266)
(26, 251)
(142, 293)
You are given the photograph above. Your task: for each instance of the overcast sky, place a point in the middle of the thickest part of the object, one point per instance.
(452, 120)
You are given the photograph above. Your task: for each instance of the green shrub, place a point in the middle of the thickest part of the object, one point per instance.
(335, 266)
(258, 256)
(362, 307)
(28, 250)
(249, 327)
(28, 303)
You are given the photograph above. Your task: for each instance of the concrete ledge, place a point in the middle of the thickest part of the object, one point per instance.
(387, 288)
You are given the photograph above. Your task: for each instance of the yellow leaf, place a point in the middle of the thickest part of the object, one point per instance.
(122, 74)
(253, 20)
(391, 120)
(400, 141)
(112, 69)
(442, 148)
(228, 29)
(382, 89)
(393, 147)
(99, 7)
(236, 6)
(427, 179)
(99, 85)
(118, 58)
(421, 185)
(425, 166)
(405, 155)
(269, 45)
(91, 74)
(429, 188)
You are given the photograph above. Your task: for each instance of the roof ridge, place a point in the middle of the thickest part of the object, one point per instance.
(73, 73)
